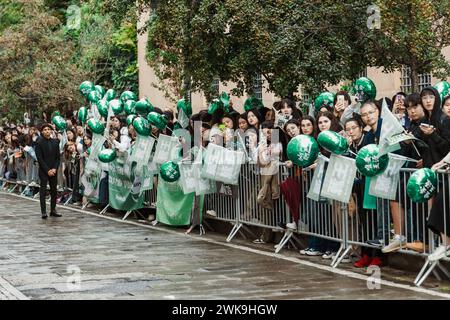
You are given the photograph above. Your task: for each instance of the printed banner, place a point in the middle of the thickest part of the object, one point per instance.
(183, 119)
(389, 127)
(173, 207)
(120, 185)
(93, 164)
(339, 178)
(166, 149)
(191, 179)
(142, 151)
(222, 164)
(369, 202)
(385, 185)
(316, 182)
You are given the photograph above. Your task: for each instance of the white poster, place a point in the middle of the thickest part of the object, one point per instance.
(316, 182)
(339, 178)
(166, 149)
(385, 185)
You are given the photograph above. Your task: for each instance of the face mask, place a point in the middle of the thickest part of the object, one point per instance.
(34, 139)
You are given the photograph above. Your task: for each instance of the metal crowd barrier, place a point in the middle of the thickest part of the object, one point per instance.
(330, 220)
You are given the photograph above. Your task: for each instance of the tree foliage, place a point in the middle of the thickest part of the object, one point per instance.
(413, 33)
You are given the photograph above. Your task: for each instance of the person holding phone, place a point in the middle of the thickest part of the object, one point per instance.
(399, 109)
(341, 102)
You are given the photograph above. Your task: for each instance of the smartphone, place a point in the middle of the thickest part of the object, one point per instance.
(426, 125)
(340, 98)
(398, 98)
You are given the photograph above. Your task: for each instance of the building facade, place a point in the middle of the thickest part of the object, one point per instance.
(387, 83)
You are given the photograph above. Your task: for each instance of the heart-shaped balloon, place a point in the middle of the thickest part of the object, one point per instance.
(107, 155)
(303, 150)
(422, 185)
(142, 126)
(214, 106)
(368, 161)
(252, 103)
(443, 88)
(185, 106)
(60, 123)
(96, 126)
(332, 141)
(157, 120)
(116, 105)
(82, 115)
(127, 95)
(100, 90)
(170, 171)
(130, 107)
(110, 95)
(143, 107)
(102, 107)
(94, 96)
(86, 87)
(130, 118)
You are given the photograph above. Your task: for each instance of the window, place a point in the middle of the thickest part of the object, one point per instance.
(424, 80)
(362, 73)
(215, 87)
(257, 86)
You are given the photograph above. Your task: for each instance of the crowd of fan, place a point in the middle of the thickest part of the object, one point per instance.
(422, 114)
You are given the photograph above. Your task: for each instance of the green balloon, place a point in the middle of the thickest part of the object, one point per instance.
(170, 171)
(443, 88)
(59, 122)
(252, 103)
(422, 185)
(185, 106)
(143, 107)
(82, 115)
(214, 106)
(365, 89)
(94, 96)
(86, 87)
(324, 99)
(332, 141)
(100, 90)
(225, 101)
(107, 155)
(157, 120)
(109, 95)
(102, 107)
(116, 105)
(96, 126)
(369, 163)
(130, 118)
(127, 95)
(142, 126)
(130, 107)
(302, 150)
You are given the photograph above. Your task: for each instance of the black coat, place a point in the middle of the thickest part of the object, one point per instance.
(47, 154)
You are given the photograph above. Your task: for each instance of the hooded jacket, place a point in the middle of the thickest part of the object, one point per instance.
(439, 140)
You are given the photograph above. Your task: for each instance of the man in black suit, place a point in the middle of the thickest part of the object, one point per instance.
(48, 156)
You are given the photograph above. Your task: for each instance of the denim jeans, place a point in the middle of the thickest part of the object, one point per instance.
(383, 220)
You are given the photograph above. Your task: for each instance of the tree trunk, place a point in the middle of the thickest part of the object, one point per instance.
(414, 78)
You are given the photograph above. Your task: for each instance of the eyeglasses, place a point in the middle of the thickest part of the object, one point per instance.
(352, 128)
(364, 115)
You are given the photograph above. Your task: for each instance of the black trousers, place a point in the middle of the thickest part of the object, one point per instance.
(45, 179)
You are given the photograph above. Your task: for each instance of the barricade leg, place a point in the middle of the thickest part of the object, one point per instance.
(286, 237)
(104, 209)
(233, 232)
(85, 205)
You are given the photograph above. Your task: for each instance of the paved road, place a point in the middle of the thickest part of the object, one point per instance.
(41, 259)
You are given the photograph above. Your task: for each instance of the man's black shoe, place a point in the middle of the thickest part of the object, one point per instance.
(54, 214)
(44, 216)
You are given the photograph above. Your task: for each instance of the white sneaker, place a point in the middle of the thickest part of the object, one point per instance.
(439, 253)
(313, 252)
(291, 225)
(211, 213)
(396, 243)
(329, 255)
(303, 251)
(346, 259)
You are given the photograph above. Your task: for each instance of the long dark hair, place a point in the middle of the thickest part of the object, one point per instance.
(313, 121)
(335, 125)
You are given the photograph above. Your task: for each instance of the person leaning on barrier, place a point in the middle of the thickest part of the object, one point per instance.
(48, 156)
